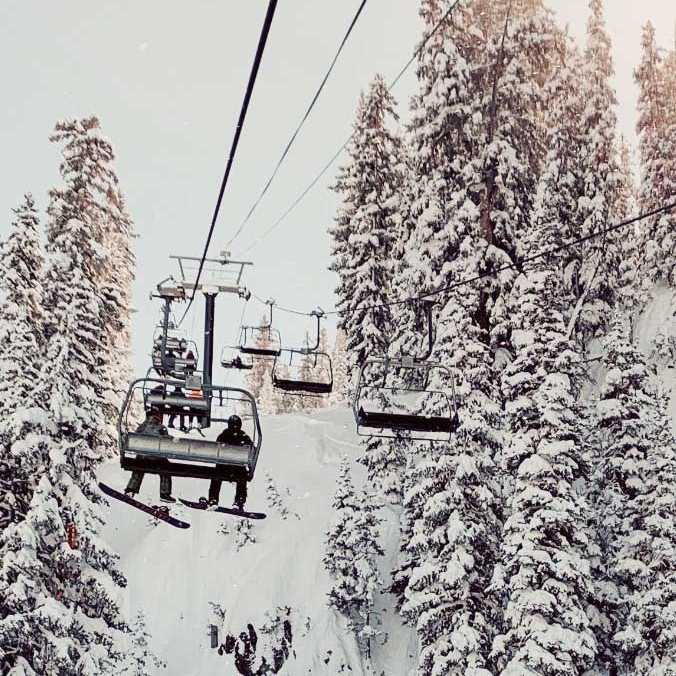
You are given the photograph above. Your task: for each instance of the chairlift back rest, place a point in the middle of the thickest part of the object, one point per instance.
(260, 351)
(288, 385)
(406, 422)
(177, 401)
(195, 450)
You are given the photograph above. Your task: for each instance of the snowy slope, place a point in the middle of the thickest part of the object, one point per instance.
(174, 574)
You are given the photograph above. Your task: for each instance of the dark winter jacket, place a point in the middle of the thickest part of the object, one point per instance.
(238, 438)
(151, 426)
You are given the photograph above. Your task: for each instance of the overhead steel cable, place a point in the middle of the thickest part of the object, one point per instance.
(265, 30)
(300, 125)
(519, 264)
(335, 156)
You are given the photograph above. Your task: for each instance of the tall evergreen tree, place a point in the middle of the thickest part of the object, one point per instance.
(117, 276)
(451, 519)
(58, 612)
(366, 224)
(340, 394)
(21, 341)
(352, 553)
(364, 232)
(259, 378)
(544, 577)
(656, 130)
(596, 276)
(630, 296)
(637, 476)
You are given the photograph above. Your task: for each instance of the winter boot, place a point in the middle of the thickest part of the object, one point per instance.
(134, 485)
(240, 495)
(165, 488)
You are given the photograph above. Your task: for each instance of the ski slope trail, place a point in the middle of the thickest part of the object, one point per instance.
(277, 583)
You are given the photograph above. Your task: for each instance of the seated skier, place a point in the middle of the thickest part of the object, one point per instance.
(152, 425)
(234, 436)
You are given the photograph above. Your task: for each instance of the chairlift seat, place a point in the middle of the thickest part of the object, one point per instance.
(288, 385)
(401, 422)
(190, 450)
(261, 351)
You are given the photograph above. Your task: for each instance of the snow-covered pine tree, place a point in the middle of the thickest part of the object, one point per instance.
(260, 376)
(140, 660)
(544, 577)
(656, 130)
(58, 611)
(273, 498)
(637, 513)
(555, 212)
(364, 232)
(340, 394)
(351, 558)
(451, 522)
(367, 219)
(630, 296)
(597, 264)
(117, 276)
(21, 341)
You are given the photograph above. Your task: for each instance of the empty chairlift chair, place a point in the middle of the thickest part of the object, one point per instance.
(301, 372)
(304, 371)
(394, 399)
(261, 341)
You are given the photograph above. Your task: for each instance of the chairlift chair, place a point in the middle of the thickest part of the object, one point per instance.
(178, 398)
(234, 358)
(179, 358)
(393, 399)
(301, 372)
(173, 355)
(261, 341)
(304, 371)
(184, 455)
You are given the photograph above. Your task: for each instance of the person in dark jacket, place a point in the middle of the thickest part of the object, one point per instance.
(234, 436)
(153, 426)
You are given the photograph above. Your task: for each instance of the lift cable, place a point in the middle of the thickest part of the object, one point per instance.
(519, 264)
(335, 156)
(300, 125)
(272, 4)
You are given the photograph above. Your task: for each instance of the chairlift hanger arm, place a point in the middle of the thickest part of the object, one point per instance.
(428, 305)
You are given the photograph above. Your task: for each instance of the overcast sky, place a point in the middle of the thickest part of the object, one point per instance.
(166, 79)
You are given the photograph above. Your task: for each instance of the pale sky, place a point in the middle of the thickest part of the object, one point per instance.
(166, 79)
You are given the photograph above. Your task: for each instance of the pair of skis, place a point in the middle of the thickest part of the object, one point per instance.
(162, 512)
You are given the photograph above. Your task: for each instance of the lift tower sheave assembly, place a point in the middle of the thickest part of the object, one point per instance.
(219, 276)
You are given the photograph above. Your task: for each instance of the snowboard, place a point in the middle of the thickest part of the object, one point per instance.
(156, 511)
(204, 505)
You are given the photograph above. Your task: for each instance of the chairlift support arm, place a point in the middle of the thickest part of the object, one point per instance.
(428, 305)
(319, 315)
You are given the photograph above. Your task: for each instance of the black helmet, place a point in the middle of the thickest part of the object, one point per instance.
(234, 423)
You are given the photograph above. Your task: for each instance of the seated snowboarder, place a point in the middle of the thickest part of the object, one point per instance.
(234, 436)
(152, 425)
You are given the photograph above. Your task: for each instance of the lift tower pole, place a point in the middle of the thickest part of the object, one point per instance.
(209, 315)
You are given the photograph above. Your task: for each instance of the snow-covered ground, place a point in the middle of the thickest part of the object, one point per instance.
(173, 574)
